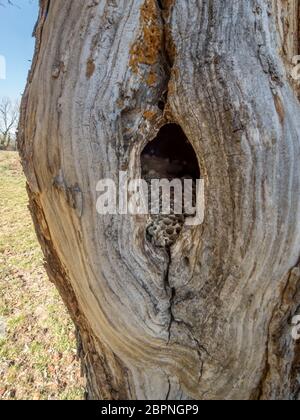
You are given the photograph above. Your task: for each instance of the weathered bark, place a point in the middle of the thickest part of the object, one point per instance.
(212, 319)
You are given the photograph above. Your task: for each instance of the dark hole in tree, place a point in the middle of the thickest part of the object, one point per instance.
(170, 155)
(161, 105)
(160, 4)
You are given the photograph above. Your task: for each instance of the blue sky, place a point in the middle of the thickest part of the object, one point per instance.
(16, 44)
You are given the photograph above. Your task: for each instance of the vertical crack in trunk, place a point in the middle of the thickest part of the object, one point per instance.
(168, 51)
(170, 291)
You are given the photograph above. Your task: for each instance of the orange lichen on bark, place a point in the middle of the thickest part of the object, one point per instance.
(90, 68)
(167, 4)
(149, 115)
(151, 80)
(147, 49)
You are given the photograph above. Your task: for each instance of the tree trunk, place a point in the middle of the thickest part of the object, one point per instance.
(211, 318)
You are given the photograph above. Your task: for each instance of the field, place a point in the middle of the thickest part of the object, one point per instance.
(37, 343)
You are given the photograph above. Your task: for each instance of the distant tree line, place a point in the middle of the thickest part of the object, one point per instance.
(9, 114)
(9, 111)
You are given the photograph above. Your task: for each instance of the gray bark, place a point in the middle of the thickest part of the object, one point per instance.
(212, 319)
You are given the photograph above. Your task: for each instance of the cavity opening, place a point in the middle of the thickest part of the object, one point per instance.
(169, 156)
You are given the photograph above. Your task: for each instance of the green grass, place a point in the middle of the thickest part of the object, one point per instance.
(37, 353)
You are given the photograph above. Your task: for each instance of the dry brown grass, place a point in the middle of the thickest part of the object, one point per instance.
(37, 343)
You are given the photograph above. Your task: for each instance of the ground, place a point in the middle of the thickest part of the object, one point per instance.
(37, 343)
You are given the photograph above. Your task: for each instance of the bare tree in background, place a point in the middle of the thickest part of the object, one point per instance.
(9, 114)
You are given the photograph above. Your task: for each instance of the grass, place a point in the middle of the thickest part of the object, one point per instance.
(37, 343)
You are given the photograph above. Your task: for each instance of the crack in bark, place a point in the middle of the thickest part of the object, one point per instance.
(160, 4)
(165, 53)
(166, 39)
(170, 291)
(199, 346)
(169, 390)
